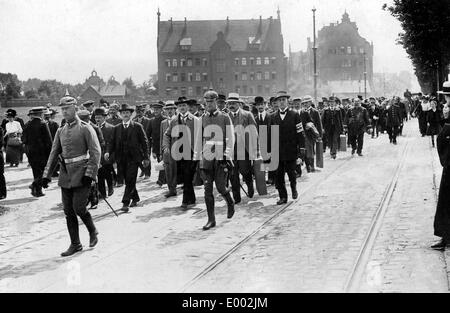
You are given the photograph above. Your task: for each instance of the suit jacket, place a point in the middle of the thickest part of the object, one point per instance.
(315, 116)
(172, 134)
(291, 135)
(144, 121)
(245, 121)
(443, 146)
(137, 143)
(154, 134)
(37, 139)
(357, 120)
(393, 116)
(108, 136)
(53, 127)
(330, 118)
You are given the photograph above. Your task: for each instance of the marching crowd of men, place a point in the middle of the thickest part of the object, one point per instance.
(98, 148)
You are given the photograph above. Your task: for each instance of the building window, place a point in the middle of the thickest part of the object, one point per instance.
(198, 90)
(260, 89)
(174, 62)
(167, 62)
(183, 91)
(220, 66)
(266, 75)
(274, 75)
(190, 91)
(182, 62)
(197, 77)
(237, 89)
(183, 77)
(175, 91)
(258, 61)
(252, 76)
(236, 76)
(244, 76)
(205, 62)
(244, 89)
(236, 61)
(258, 76)
(197, 61)
(205, 77)
(244, 61)
(252, 61)
(189, 77)
(168, 90)
(361, 50)
(189, 62)
(347, 63)
(349, 50)
(175, 77)
(266, 61)
(273, 60)
(168, 77)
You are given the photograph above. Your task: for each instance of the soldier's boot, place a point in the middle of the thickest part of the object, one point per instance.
(211, 217)
(230, 204)
(87, 220)
(75, 245)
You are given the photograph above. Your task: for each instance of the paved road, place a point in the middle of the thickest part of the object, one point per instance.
(310, 245)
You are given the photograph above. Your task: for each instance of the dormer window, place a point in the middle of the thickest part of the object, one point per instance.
(186, 43)
(254, 43)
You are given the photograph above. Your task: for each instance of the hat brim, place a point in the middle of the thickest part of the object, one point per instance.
(284, 96)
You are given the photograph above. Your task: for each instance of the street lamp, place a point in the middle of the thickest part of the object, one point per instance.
(315, 54)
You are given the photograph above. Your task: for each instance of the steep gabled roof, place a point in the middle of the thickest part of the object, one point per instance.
(113, 91)
(204, 33)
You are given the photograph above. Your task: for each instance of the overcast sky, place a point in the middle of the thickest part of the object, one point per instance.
(66, 39)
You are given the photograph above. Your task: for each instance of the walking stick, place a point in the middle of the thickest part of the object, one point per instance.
(110, 207)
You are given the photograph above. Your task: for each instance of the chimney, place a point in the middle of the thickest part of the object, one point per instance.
(227, 27)
(171, 25)
(260, 25)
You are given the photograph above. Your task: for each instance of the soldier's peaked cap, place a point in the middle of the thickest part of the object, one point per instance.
(88, 103)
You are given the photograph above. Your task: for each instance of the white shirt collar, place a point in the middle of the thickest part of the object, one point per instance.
(127, 124)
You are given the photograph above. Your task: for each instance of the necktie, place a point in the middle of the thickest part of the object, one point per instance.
(260, 117)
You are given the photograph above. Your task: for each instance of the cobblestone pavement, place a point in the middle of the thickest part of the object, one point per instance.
(311, 245)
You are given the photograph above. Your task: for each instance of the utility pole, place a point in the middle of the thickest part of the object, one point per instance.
(315, 55)
(365, 76)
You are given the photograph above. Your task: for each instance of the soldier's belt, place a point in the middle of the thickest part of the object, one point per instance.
(77, 159)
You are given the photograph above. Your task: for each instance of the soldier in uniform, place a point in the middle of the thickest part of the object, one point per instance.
(242, 121)
(145, 122)
(291, 145)
(170, 167)
(186, 127)
(332, 125)
(106, 170)
(217, 153)
(38, 143)
(154, 138)
(130, 147)
(77, 147)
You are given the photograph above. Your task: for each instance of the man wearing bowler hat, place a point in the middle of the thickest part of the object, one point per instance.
(130, 147)
(291, 145)
(77, 148)
(38, 143)
(332, 126)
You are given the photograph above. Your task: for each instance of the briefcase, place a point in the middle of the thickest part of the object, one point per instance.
(319, 154)
(260, 177)
(342, 143)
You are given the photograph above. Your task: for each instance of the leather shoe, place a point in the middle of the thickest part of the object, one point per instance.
(281, 201)
(93, 240)
(209, 225)
(170, 194)
(72, 250)
(251, 191)
(360, 154)
(125, 209)
(440, 246)
(110, 192)
(294, 194)
(133, 203)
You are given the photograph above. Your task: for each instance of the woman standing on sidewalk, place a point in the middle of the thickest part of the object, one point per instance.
(13, 141)
(442, 216)
(433, 121)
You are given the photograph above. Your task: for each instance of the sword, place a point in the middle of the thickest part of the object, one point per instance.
(110, 207)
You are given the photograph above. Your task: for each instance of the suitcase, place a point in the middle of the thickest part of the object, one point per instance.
(342, 143)
(260, 177)
(319, 154)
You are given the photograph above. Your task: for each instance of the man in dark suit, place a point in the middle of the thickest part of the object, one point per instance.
(38, 144)
(106, 170)
(332, 125)
(154, 137)
(49, 116)
(357, 120)
(245, 146)
(170, 167)
(393, 121)
(2, 170)
(263, 119)
(145, 122)
(307, 103)
(291, 145)
(130, 147)
(185, 131)
(374, 115)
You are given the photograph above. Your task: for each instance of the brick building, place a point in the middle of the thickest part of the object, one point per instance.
(244, 56)
(340, 60)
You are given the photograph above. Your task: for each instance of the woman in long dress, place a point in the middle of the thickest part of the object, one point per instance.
(13, 141)
(433, 121)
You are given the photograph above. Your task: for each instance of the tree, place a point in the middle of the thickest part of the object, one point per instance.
(9, 86)
(129, 83)
(31, 94)
(425, 37)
